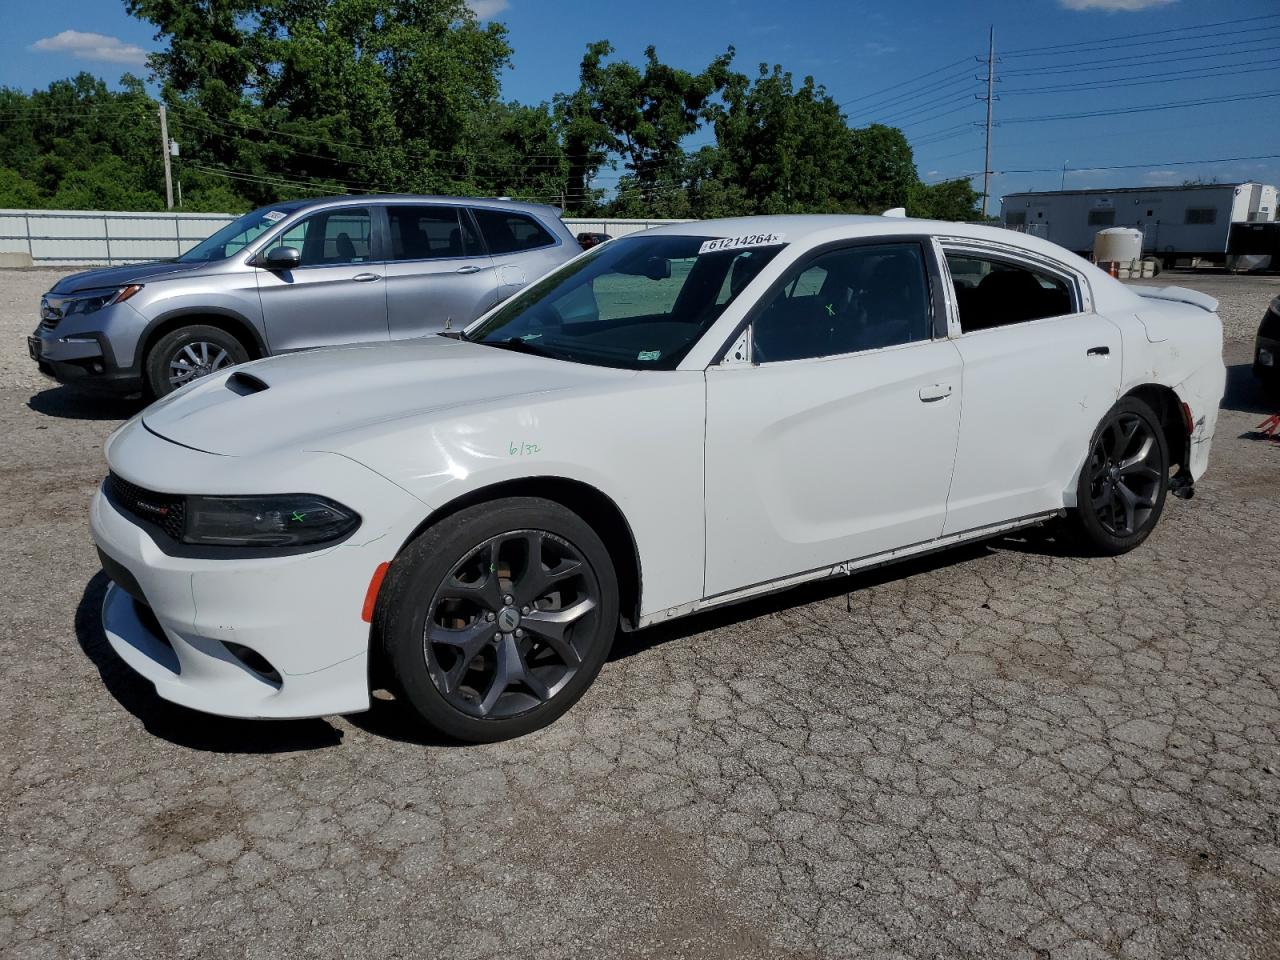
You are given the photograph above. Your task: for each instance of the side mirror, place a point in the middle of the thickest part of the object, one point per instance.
(282, 258)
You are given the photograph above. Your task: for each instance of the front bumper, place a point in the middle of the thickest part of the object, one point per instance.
(82, 360)
(272, 636)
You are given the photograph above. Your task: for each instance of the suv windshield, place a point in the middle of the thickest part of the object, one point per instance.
(640, 302)
(238, 234)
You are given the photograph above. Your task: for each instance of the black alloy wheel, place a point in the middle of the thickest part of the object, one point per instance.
(495, 620)
(510, 624)
(1125, 479)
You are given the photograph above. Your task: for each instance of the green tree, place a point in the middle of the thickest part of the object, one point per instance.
(949, 200)
(779, 149)
(640, 116)
(363, 94)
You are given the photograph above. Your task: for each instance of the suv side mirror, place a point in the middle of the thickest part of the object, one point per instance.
(282, 258)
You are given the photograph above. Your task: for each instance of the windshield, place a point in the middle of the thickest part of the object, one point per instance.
(640, 302)
(235, 236)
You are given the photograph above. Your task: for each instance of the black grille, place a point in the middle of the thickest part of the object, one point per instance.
(163, 510)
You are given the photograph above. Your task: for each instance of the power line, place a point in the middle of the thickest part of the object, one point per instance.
(1142, 60)
(1147, 166)
(1119, 111)
(904, 83)
(1026, 51)
(906, 98)
(1176, 76)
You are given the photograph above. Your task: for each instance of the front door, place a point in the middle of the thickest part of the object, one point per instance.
(838, 442)
(1040, 370)
(337, 294)
(438, 273)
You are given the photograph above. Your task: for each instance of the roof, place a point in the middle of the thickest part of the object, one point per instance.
(355, 198)
(820, 228)
(1145, 190)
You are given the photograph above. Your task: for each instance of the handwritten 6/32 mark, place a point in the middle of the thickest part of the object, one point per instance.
(522, 449)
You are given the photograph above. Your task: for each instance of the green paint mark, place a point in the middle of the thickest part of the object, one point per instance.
(297, 516)
(831, 310)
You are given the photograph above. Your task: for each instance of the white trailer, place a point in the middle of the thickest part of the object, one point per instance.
(1176, 222)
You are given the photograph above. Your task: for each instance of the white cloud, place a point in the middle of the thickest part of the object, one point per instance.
(484, 9)
(92, 46)
(1114, 6)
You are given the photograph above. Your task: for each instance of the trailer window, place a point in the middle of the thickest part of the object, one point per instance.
(1102, 218)
(1016, 218)
(1199, 215)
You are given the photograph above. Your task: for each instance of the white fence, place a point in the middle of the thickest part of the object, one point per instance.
(88, 237)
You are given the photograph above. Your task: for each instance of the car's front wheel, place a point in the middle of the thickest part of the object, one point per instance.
(497, 619)
(1125, 479)
(190, 353)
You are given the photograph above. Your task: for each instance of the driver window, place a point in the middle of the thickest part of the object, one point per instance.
(329, 238)
(860, 298)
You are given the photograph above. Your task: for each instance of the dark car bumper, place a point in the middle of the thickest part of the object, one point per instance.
(84, 361)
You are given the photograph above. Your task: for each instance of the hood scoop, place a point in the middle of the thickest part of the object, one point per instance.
(245, 384)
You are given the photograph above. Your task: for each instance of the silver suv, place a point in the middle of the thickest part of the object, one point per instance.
(306, 273)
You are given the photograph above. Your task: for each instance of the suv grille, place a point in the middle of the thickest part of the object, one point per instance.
(164, 510)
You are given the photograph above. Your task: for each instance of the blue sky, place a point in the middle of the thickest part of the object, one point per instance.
(900, 62)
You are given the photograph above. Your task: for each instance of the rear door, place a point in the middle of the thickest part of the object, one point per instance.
(336, 294)
(523, 249)
(1040, 370)
(437, 270)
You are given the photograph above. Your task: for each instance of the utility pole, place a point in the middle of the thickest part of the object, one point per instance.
(1063, 184)
(991, 95)
(164, 152)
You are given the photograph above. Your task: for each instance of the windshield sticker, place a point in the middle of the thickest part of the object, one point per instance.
(739, 243)
(275, 216)
(648, 354)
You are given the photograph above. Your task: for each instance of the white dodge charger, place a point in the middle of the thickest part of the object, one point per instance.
(673, 421)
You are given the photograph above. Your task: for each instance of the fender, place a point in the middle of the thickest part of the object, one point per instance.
(242, 324)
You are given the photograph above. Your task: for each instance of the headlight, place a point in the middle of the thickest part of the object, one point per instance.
(293, 520)
(91, 300)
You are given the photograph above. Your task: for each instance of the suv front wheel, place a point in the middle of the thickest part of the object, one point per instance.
(189, 353)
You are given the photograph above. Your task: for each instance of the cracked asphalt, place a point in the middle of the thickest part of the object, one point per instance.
(1002, 751)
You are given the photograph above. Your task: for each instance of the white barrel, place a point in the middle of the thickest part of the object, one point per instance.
(1117, 245)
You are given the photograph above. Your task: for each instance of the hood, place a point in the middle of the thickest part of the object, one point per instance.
(123, 275)
(306, 400)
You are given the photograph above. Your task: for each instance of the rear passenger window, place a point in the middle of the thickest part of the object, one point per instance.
(859, 298)
(430, 233)
(995, 293)
(507, 232)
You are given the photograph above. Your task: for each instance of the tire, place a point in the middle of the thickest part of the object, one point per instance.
(490, 654)
(200, 348)
(1124, 481)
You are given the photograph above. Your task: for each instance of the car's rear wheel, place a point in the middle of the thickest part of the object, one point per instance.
(496, 620)
(1125, 479)
(189, 353)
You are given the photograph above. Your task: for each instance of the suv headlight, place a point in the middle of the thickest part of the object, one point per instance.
(88, 301)
(292, 520)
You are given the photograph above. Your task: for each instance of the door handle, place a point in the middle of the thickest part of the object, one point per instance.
(469, 268)
(935, 392)
(1098, 352)
(365, 277)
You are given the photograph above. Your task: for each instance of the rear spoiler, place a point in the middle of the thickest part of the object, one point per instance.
(1178, 295)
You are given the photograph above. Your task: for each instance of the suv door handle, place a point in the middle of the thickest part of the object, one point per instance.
(1098, 352)
(469, 268)
(365, 277)
(935, 392)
